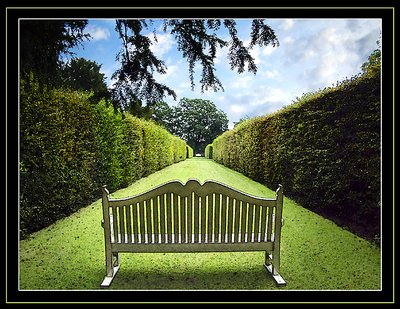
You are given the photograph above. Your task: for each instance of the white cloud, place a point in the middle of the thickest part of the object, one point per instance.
(268, 50)
(288, 40)
(319, 53)
(237, 109)
(256, 53)
(171, 70)
(287, 24)
(221, 55)
(260, 54)
(185, 85)
(98, 33)
(261, 101)
(241, 82)
(268, 94)
(163, 45)
(272, 74)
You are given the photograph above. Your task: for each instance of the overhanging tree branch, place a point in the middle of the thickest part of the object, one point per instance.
(198, 41)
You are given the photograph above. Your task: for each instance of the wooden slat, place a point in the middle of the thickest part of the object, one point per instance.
(156, 219)
(210, 218)
(257, 223)
(168, 207)
(142, 225)
(223, 218)
(243, 227)
(128, 210)
(115, 224)
(182, 202)
(110, 224)
(176, 217)
(189, 205)
(230, 219)
(212, 247)
(250, 222)
(196, 217)
(237, 221)
(217, 213)
(121, 212)
(264, 211)
(203, 210)
(135, 222)
(162, 218)
(269, 224)
(149, 228)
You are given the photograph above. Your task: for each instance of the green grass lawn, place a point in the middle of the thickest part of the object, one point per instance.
(316, 254)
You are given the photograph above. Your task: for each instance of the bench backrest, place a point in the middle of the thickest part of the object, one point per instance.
(192, 213)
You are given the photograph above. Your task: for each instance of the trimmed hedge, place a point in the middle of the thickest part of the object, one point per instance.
(208, 152)
(57, 155)
(69, 148)
(189, 152)
(324, 149)
(110, 147)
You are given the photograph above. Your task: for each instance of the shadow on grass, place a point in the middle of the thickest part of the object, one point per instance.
(191, 272)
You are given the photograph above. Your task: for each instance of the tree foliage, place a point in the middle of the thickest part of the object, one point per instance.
(196, 121)
(82, 74)
(163, 114)
(135, 79)
(42, 42)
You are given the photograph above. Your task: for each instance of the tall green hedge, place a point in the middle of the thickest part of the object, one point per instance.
(110, 146)
(324, 149)
(189, 152)
(57, 154)
(208, 152)
(69, 148)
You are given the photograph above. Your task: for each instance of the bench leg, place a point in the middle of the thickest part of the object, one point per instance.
(112, 267)
(107, 280)
(272, 265)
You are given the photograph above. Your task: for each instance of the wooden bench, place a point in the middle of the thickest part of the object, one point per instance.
(192, 217)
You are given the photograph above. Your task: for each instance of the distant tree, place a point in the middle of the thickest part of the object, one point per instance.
(42, 42)
(136, 108)
(82, 74)
(374, 62)
(198, 122)
(198, 42)
(162, 114)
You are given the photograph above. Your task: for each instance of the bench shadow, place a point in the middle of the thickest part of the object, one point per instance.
(186, 277)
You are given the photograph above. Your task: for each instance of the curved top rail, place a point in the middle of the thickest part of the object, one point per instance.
(192, 185)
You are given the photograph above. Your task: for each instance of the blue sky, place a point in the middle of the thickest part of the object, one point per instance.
(313, 54)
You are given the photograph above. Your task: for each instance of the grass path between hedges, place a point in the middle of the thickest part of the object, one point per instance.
(316, 254)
